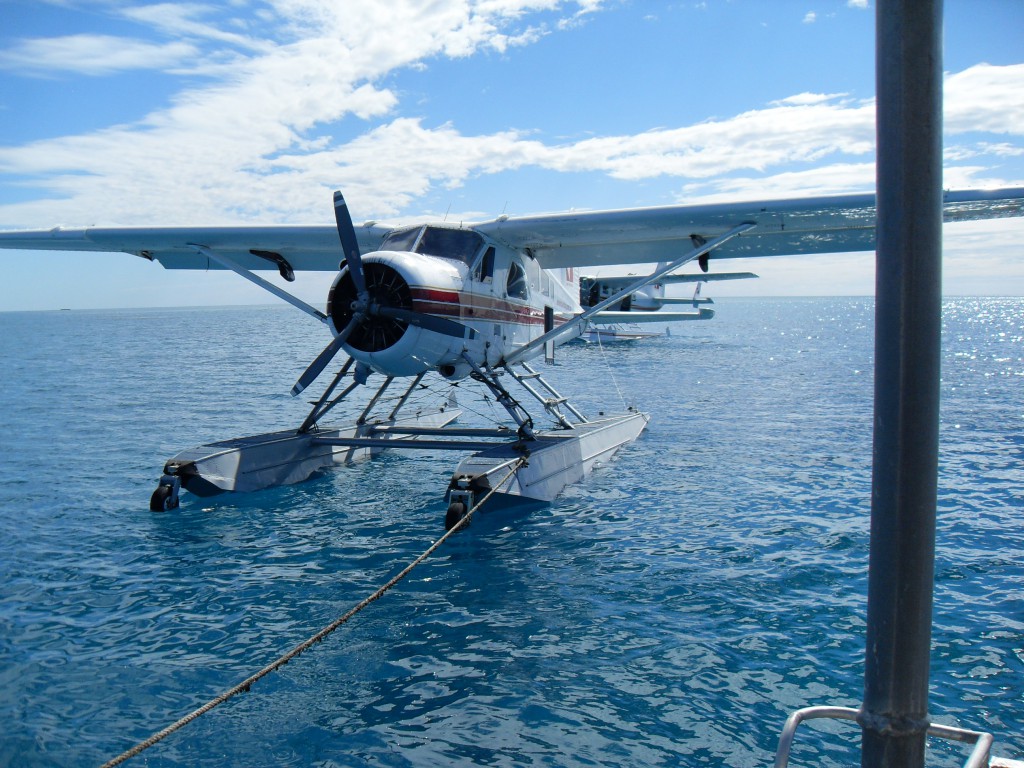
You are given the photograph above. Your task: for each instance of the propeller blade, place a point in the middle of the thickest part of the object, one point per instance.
(350, 244)
(428, 322)
(317, 366)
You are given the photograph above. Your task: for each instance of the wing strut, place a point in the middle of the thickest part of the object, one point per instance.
(575, 326)
(234, 266)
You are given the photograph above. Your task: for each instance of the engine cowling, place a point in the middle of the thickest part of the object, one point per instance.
(391, 346)
(386, 286)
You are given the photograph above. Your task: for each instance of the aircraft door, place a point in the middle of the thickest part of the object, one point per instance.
(484, 298)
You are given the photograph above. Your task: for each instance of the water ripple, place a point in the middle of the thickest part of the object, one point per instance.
(671, 610)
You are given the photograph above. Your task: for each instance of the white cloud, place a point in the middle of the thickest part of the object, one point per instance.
(985, 98)
(810, 18)
(241, 148)
(219, 155)
(803, 99)
(976, 177)
(756, 140)
(1001, 149)
(184, 20)
(832, 179)
(859, 4)
(958, 152)
(256, 144)
(93, 55)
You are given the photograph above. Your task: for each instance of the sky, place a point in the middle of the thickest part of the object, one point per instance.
(250, 111)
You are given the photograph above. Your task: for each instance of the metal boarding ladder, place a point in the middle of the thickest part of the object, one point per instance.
(550, 403)
(980, 756)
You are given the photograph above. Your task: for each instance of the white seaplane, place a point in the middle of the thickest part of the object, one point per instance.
(475, 301)
(650, 298)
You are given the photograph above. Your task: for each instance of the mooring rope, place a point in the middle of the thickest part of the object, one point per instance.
(246, 684)
(611, 372)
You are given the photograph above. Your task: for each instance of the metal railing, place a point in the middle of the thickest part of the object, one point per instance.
(979, 757)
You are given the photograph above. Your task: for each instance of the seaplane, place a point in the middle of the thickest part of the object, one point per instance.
(474, 302)
(649, 298)
(652, 297)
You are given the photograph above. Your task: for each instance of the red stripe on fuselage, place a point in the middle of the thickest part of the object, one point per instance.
(468, 306)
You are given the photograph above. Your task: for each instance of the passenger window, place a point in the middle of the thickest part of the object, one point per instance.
(516, 287)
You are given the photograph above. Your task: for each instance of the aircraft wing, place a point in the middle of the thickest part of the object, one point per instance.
(595, 238)
(783, 228)
(254, 247)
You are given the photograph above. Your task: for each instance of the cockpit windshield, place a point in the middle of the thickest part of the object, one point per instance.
(460, 244)
(401, 239)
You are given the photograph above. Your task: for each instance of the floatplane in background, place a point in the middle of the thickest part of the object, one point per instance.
(650, 298)
(476, 301)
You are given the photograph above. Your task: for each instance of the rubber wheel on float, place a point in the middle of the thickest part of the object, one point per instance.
(456, 511)
(160, 501)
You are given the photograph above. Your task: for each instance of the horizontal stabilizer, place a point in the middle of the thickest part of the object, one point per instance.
(617, 281)
(681, 300)
(711, 277)
(607, 318)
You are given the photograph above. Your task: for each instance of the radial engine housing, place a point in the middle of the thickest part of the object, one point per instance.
(398, 280)
(386, 287)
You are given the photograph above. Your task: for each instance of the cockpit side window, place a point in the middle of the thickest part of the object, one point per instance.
(401, 239)
(484, 271)
(459, 244)
(516, 287)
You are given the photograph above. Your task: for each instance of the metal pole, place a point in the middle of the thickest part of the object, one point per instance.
(894, 715)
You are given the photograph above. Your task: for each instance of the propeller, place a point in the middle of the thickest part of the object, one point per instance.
(365, 308)
(350, 245)
(317, 366)
(360, 307)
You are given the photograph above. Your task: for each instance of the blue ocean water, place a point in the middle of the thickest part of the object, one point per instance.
(671, 610)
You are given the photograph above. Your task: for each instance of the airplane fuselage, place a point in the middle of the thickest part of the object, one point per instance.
(502, 295)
